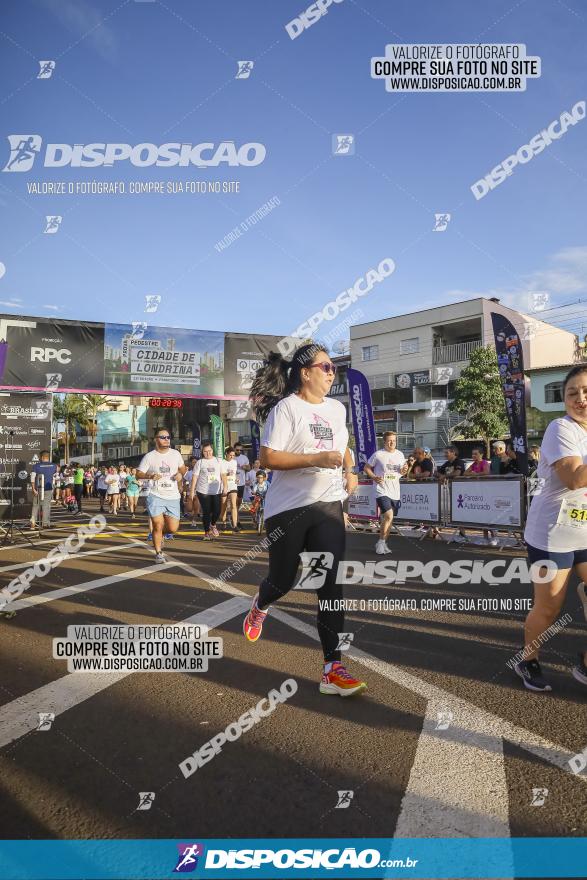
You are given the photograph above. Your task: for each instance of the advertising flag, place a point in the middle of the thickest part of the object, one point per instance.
(362, 415)
(510, 360)
(217, 436)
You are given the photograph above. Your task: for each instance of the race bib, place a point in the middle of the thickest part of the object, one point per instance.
(573, 513)
(212, 478)
(166, 483)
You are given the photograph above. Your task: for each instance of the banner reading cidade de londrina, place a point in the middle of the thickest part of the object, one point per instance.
(362, 415)
(145, 359)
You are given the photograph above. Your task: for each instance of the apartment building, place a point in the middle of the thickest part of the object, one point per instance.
(412, 361)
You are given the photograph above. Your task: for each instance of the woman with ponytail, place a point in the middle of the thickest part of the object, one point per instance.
(305, 443)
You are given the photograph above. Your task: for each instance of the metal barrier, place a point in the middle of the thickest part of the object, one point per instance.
(478, 502)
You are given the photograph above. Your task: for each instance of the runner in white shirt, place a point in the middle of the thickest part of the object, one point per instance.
(207, 483)
(385, 468)
(165, 468)
(305, 442)
(112, 489)
(556, 528)
(229, 471)
(243, 466)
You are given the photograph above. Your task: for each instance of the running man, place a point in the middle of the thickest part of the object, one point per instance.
(385, 467)
(305, 443)
(165, 468)
(556, 528)
(42, 476)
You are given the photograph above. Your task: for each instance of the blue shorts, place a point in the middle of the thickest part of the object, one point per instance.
(562, 559)
(166, 506)
(384, 504)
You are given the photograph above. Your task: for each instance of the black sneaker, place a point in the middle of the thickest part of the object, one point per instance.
(531, 674)
(580, 670)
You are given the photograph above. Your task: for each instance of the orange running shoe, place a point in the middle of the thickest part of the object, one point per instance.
(339, 681)
(253, 622)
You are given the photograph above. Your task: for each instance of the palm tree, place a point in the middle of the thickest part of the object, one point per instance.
(69, 410)
(91, 403)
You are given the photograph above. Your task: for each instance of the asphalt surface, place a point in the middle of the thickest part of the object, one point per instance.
(411, 774)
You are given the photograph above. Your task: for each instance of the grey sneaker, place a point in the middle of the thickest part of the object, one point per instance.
(160, 557)
(579, 672)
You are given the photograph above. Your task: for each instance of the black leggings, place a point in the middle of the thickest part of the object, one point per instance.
(319, 528)
(78, 491)
(210, 505)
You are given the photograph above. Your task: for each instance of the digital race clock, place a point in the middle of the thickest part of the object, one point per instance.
(166, 402)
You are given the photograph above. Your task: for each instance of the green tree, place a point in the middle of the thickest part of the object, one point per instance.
(479, 397)
(68, 409)
(90, 404)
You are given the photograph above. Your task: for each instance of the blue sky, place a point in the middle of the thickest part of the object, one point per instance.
(133, 72)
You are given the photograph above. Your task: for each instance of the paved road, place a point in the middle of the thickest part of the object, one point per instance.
(115, 735)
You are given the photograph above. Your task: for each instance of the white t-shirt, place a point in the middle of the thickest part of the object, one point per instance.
(388, 465)
(122, 475)
(551, 524)
(167, 464)
(300, 427)
(230, 469)
(241, 462)
(102, 484)
(112, 484)
(207, 472)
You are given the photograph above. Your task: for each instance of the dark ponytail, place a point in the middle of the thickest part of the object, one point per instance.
(278, 378)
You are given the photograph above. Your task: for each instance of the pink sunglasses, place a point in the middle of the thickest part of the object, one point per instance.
(326, 367)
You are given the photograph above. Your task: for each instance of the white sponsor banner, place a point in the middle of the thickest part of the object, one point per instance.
(420, 501)
(491, 502)
(362, 504)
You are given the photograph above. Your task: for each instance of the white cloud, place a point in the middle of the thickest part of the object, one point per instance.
(13, 305)
(54, 308)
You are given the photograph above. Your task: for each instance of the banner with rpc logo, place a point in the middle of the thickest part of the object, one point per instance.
(52, 354)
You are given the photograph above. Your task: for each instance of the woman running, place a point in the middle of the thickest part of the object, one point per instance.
(132, 491)
(113, 489)
(556, 528)
(207, 483)
(305, 442)
(230, 488)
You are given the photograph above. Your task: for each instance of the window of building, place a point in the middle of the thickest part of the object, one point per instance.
(409, 346)
(370, 352)
(553, 392)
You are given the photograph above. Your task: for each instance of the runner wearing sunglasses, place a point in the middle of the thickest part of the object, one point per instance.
(305, 443)
(165, 467)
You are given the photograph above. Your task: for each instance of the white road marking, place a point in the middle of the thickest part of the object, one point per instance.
(65, 592)
(74, 556)
(22, 715)
(490, 727)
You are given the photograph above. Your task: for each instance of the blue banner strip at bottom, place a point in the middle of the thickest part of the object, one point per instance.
(553, 857)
